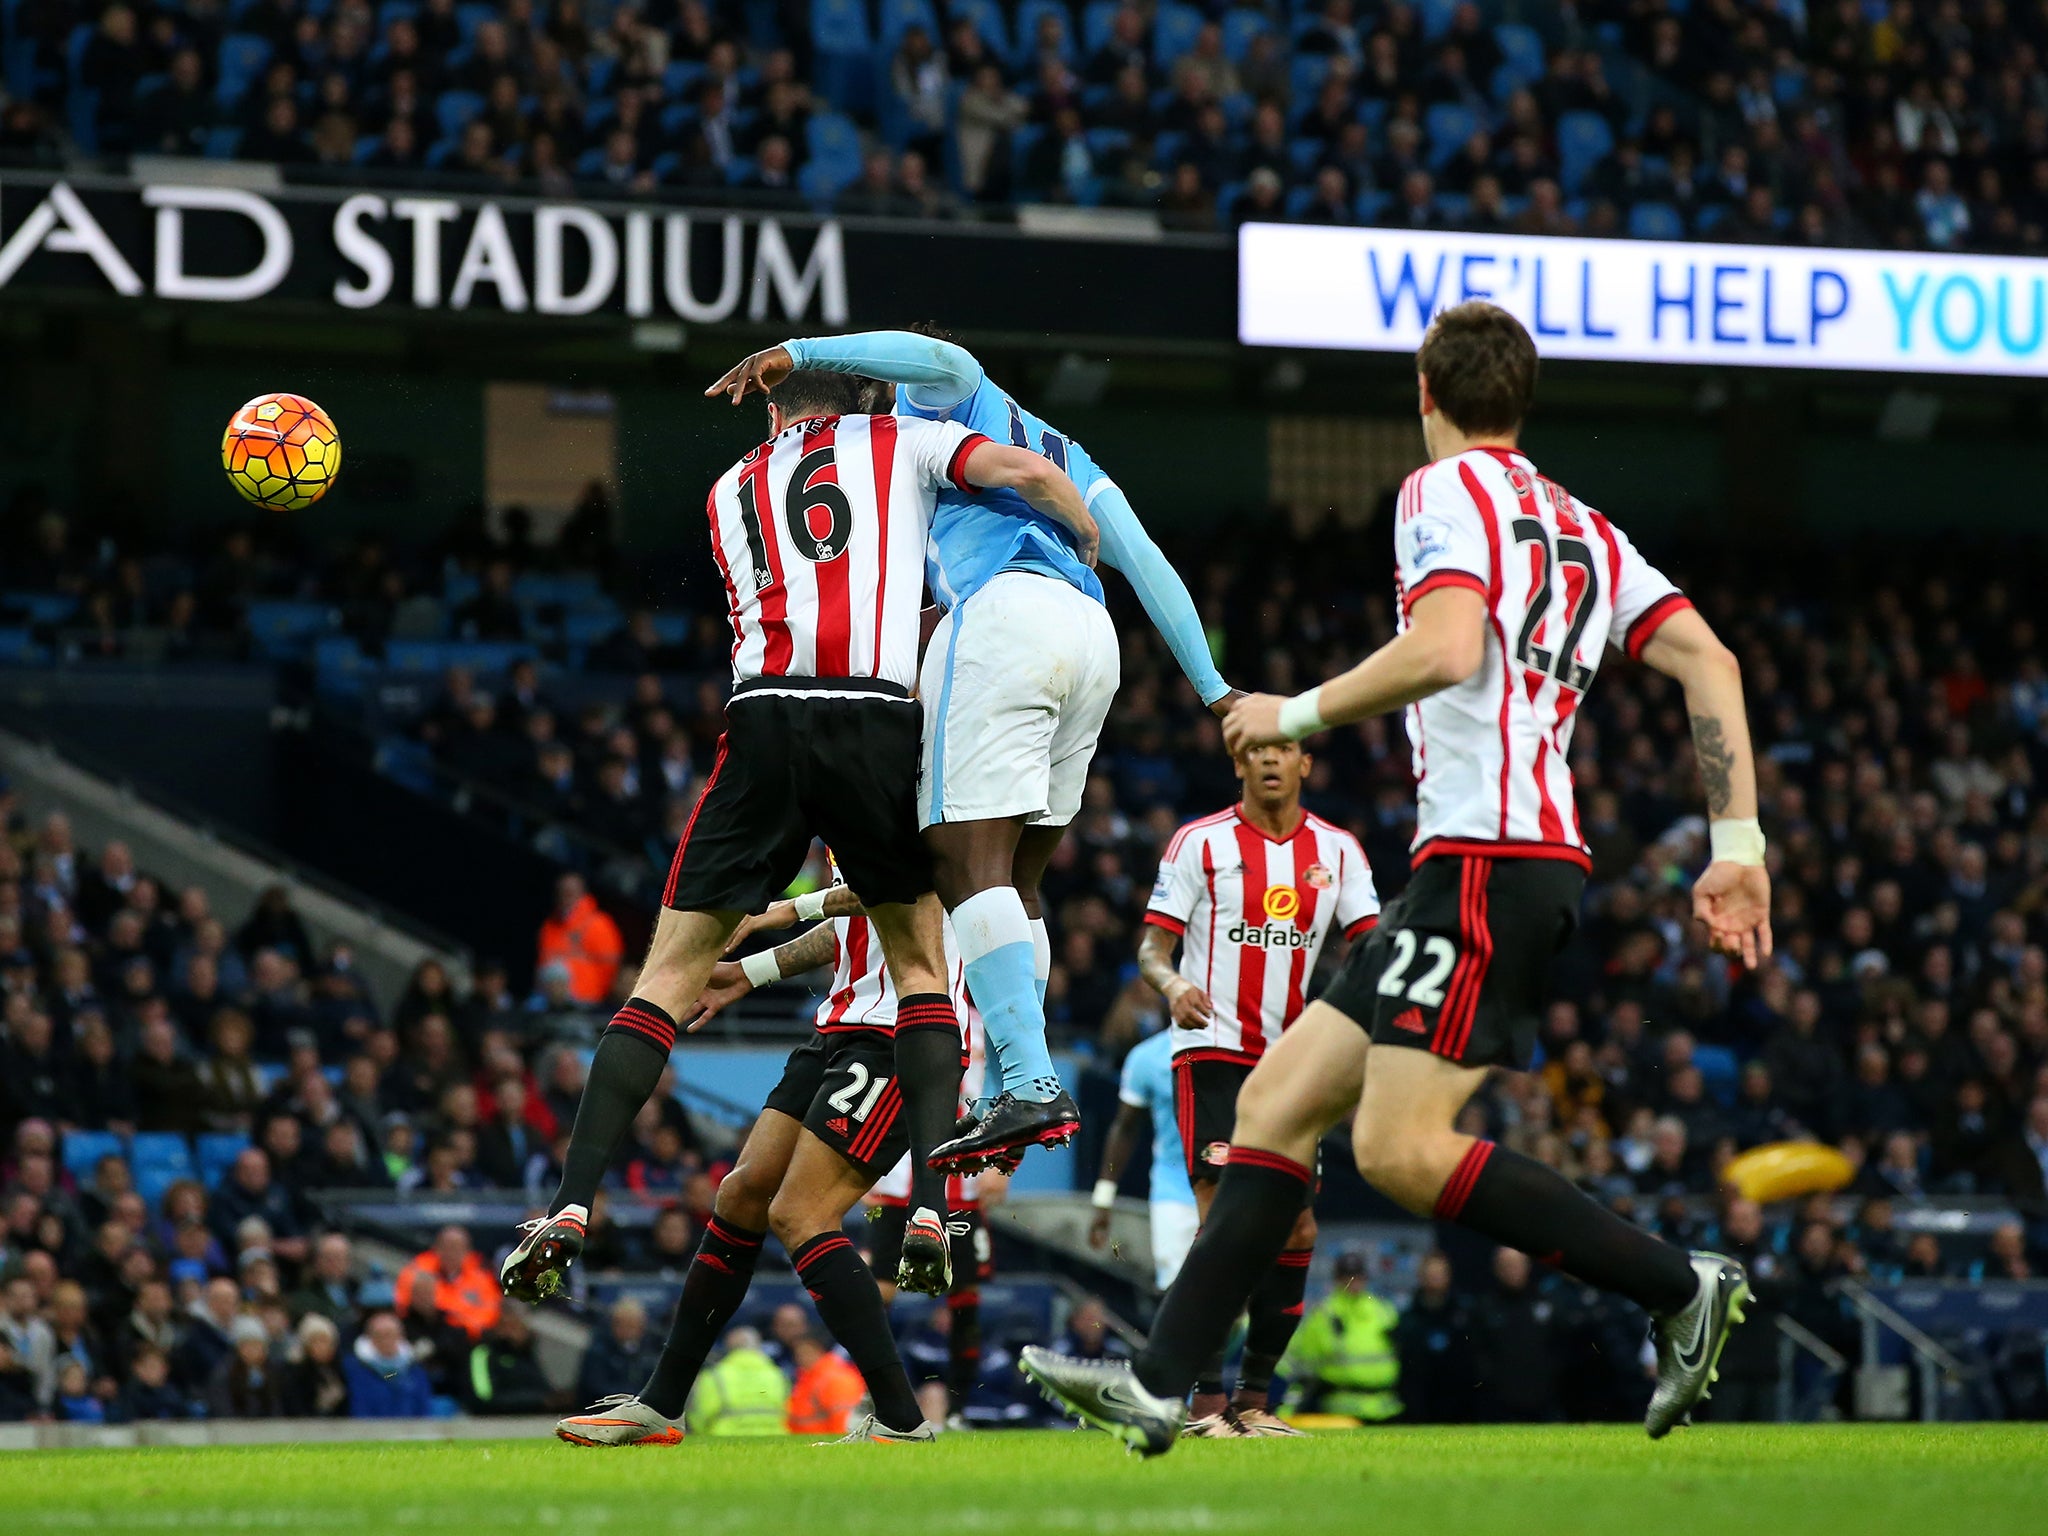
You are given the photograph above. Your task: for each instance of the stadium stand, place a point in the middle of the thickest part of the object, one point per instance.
(1836, 123)
(172, 1089)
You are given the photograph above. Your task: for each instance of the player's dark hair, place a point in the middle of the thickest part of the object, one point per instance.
(1481, 367)
(815, 392)
(935, 331)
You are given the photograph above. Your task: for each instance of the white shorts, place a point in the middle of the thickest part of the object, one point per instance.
(1016, 684)
(1174, 1223)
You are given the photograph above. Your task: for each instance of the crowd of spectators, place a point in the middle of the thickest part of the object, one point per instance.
(1836, 122)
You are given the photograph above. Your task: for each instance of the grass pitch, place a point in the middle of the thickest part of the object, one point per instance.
(1787, 1481)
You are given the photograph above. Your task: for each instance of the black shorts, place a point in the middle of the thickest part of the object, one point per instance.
(1205, 1108)
(791, 767)
(842, 1086)
(1460, 963)
(973, 1254)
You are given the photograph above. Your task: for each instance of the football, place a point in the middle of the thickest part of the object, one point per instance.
(281, 452)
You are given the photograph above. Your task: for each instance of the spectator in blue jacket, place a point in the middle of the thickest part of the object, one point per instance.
(384, 1380)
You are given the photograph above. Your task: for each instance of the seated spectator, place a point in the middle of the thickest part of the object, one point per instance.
(246, 1385)
(919, 77)
(582, 936)
(1087, 1335)
(987, 114)
(463, 1290)
(208, 1336)
(149, 1394)
(228, 1079)
(316, 1382)
(384, 1379)
(251, 1190)
(502, 1376)
(622, 1357)
(176, 118)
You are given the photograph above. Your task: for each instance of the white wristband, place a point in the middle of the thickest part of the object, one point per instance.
(1300, 717)
(1736, 842)
(761, 969)
(810, 906)
(1105, 1194)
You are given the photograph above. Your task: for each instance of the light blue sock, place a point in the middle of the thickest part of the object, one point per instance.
(1041, 957)
(995, 942)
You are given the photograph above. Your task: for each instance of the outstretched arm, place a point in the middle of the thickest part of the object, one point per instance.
(732, 980)
(936, 374)
(1042, 484)
(1117, 1147)
(1129, 548)
(1733, 897)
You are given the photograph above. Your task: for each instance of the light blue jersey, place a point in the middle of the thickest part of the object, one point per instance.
(1148, 1085)
(976, 537)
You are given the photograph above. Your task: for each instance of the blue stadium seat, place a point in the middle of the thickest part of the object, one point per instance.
(391, 10)
(160, 1149)
(843, 64)
(1522, 47)
(1239, 28)
(1106, 143)
(1030, 14)
(1719, 1070)
(1583, 141)
(1174, 29)
(84, 1149)
(407, 763)
(1097, 22)
(834, 140)
(19, 646)
(1655, 221)
(454, 109)
(1303, 154)
(1436, 17)
(240, 60)
(81, 104)
(679, 80)
(473, 15)
(151, 1182)
(217, 1153)
(1447, 125)
(223, 142)
(1306, 76)
(840, 26)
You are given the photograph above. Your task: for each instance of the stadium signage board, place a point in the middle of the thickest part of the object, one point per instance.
(371, 250)
(1644, 301)
(353, 250)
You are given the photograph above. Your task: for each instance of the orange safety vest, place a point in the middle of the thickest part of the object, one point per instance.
(470, 1300)
(825, 1397)
(588, 942)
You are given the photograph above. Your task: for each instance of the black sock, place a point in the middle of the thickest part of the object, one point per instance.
(1258, 1199)
(1520, 1203)
(1209, 1381)
(928, 1075)
(844, 1289)
(963, 1354)
(630, 1056)
(713, 1287)
(1275, 1314)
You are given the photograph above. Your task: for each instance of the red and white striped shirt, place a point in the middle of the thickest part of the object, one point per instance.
(1252, 913)
(862, 996)
(1561, 583)
(820, 536)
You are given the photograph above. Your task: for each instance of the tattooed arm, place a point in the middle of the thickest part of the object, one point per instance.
(729, 982)
(1733, 897)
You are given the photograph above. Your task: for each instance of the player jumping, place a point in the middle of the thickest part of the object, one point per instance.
(1015, 686)
(1508, 592)
(1249, 894)
(820, 536)
(826, 1132)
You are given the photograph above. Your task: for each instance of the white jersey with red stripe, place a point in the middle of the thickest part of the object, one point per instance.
(1252, 912)
(1561, 584)
(861, 995)
(820, 536)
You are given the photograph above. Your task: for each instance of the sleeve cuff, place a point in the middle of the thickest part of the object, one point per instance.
(1363, 925)
(1652, 619)
(1436, 581)
(1166, 920)
(956, 471)
(1135, 1101)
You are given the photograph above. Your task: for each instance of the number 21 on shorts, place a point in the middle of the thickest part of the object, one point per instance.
(1426, 988)
(861, 1087)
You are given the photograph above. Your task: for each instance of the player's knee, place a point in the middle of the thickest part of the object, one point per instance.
(1304, 1234)
(791, 1219)
(1391, 1163)
(744, 1196)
